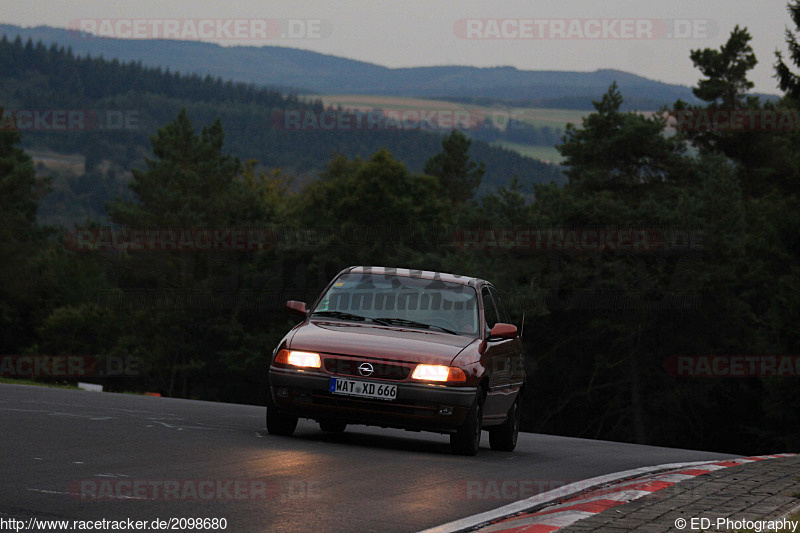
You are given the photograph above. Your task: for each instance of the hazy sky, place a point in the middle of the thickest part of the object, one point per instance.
(651, 38)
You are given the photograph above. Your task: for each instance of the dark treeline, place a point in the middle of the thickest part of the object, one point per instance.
(699, 257)
(73, 79)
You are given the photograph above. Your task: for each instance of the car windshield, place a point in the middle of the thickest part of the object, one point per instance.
(403, 301)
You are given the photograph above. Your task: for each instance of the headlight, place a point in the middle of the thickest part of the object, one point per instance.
(438, 373)
(298, 359)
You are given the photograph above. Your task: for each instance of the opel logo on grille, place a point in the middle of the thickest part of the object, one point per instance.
(365, 369)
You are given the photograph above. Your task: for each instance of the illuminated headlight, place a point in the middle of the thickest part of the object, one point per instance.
(298, 359)
(438, 373)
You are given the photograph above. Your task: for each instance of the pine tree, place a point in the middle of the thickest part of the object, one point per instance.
(726, 84)
(619, 151)
(788, 81)
(459, 176)
(189, 182)
(21, 240)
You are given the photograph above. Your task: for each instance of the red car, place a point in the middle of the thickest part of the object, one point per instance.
(401, 348)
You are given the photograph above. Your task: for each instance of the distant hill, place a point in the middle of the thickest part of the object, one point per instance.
(306, 71)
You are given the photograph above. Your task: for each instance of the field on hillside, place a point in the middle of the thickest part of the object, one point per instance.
(44, 160)
(538, 117)
(475, 114)
(556, 119)
(548, 154)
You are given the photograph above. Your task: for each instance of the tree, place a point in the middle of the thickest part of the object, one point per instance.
(788, 81)
(459, 177)
(354, 199)
(725, 87)
(22, 244)
(618, 151)
(726, 84)
(191, 183)
(19, 189)
(626, 173)
(380, 190)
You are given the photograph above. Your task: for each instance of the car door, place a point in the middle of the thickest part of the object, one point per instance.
(515, 354)
(498, 360)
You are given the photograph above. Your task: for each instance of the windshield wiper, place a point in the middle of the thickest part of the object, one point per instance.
(410, 323)
(340, 314)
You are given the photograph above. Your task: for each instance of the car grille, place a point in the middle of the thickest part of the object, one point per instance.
(349, 367)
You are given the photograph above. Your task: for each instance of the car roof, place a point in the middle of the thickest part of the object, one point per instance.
(422, 274)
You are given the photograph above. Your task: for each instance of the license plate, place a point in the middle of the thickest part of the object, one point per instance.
(363, 389)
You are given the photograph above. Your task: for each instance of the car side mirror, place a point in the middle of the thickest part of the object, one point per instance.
(503, 331)
(294, 307)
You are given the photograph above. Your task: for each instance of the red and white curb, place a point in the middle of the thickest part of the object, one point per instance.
(583, 499)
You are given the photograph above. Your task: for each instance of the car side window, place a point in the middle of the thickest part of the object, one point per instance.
(489, 310)
(501, 310)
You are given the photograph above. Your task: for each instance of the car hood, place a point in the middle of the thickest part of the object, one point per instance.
(370, 340)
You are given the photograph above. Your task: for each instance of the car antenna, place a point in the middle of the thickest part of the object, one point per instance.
(522, 327)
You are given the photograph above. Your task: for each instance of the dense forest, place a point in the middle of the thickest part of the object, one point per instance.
(718, 273)
(37, 77)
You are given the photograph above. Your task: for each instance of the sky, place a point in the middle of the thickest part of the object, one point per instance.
(651, 38)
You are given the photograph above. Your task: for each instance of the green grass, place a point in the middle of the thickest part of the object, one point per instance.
(553, 118)
(543, 153)
(15, 381)
(792, 518)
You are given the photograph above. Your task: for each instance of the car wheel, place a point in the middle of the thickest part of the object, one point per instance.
(467, 439)
(332, 426)
(504, 437)
(279, 423)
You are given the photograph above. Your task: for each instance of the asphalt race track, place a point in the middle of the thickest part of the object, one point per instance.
(89, 456)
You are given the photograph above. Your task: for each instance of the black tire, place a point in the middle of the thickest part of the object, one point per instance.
(503, 438)
(279, 423)
(467, 439)
(332, 426)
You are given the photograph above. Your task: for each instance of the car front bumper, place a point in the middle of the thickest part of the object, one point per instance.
(418, 406)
